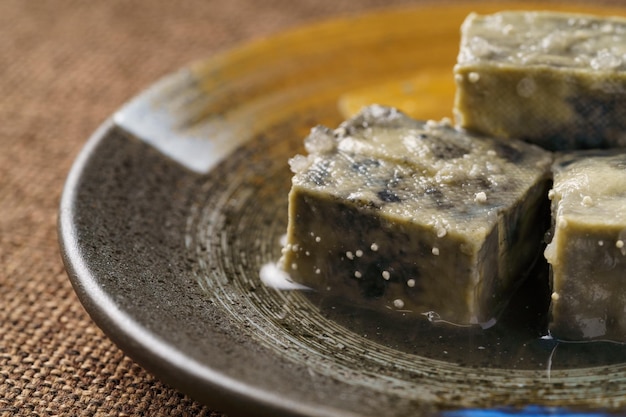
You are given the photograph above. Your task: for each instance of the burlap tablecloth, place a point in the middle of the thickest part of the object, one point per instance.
(65, 66)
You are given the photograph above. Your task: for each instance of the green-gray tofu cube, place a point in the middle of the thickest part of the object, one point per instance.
(392, 213)
(588, 249)
(554, 79)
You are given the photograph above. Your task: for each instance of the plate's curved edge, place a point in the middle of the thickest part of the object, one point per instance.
(146, 348)
(159, 116)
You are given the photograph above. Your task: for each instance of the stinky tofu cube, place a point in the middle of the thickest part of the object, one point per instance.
(392, 213)
(554, 79)
(587, 254)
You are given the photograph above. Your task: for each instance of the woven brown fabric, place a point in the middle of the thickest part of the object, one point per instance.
(65, 66)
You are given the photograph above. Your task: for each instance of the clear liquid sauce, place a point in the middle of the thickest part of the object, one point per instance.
(518, 340)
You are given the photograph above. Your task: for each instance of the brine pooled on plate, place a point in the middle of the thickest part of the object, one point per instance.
(588, 249)
(388, 212)
(554, 79)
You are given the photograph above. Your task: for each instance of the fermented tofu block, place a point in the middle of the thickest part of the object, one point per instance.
(388, 212)
(588, 249)
(554, 79)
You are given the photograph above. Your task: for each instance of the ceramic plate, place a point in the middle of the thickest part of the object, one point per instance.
(179, 200)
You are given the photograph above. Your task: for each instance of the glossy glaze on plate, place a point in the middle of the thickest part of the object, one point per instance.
(177, 202)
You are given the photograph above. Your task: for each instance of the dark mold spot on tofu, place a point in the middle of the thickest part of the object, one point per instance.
(508, 152)
(438, 197)
(319, 174)
(362, 167)
(598, 122)
(447, 150)
(372, 285)
(595, 118)
(388, 196)
(567, 159)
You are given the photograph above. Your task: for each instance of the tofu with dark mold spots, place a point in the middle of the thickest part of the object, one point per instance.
(554, 79)
(415, 216)
(587, 253)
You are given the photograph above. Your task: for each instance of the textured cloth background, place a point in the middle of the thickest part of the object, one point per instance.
(65, 66)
